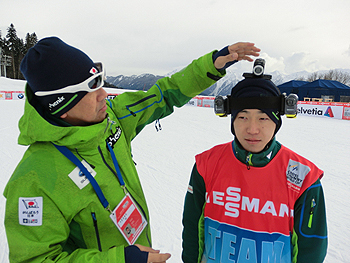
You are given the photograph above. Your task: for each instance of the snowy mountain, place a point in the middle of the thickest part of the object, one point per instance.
(134, 82)
(222, 87)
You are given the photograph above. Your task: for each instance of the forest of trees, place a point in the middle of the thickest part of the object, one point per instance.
(12, 51)
(333, 74)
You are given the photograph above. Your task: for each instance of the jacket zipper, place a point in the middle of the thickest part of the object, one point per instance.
(313, 204)
(138, 102)
(248, 160)
(94, 219)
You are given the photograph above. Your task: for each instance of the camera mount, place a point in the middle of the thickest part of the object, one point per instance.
(286, 104)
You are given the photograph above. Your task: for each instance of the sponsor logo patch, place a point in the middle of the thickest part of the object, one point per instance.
(296, 173)
(30, 211)
(57, 102)
(78, 176)
(93, 71)
(112, 140)
(329, 112)
(234, 203)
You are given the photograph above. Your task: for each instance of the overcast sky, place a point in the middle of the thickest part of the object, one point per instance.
(158, 36)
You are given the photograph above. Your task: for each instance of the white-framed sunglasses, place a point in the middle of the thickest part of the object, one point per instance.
(91, 84)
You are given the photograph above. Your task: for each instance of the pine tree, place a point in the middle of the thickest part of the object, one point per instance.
(20, 55)
(1, 41)
(17, 50)
(1, 53)
(31, 40)
(12, 48)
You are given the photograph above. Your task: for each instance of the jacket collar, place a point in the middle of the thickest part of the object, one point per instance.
(256, 159)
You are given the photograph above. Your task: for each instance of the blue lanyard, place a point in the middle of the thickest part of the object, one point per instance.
(116, 166)
(66, 152)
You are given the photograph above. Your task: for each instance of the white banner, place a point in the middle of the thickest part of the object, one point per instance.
(322, 109)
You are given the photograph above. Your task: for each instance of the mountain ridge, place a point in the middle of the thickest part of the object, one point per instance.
(222, 87)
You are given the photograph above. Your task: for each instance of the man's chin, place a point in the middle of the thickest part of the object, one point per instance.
(97, 120)
(102, 118)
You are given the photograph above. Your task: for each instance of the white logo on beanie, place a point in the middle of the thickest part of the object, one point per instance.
(58, 101)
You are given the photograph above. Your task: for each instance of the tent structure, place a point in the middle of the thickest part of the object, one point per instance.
(292, 86)
(318, 89)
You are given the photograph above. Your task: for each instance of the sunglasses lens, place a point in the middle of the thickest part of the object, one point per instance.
(95, 83)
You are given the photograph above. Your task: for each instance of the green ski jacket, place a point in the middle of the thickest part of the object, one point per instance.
(48, 217)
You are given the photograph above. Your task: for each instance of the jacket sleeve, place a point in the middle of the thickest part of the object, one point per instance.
(137, 109)
(310, 227)
(192, 235)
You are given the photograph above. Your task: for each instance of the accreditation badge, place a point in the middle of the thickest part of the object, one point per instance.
(128, 219)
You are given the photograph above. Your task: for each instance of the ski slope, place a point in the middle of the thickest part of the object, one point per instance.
(165, 159)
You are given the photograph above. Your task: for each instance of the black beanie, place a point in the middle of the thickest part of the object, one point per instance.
(256, 90)
(52, 64)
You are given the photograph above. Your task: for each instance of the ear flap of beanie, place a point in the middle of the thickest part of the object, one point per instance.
(59, 104)
(40, 109)
(45, 113)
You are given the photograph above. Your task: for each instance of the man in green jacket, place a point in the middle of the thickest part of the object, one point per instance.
(75, 196)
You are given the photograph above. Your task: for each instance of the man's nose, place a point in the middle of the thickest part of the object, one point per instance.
(102, 94)
(253, 127)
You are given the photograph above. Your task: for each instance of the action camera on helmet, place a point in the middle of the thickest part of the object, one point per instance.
(259, 65)
(291, 105)
(258, 70)
(223, 105)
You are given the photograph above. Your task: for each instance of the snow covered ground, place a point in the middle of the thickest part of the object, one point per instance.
(165, 159)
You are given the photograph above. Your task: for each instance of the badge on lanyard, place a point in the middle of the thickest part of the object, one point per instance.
(126, 216)
(128, 219)
(79, 178)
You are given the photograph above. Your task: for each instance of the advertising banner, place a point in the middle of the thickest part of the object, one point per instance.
(324, 109)
(202, 101)
(11, 95)
(346, 111)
